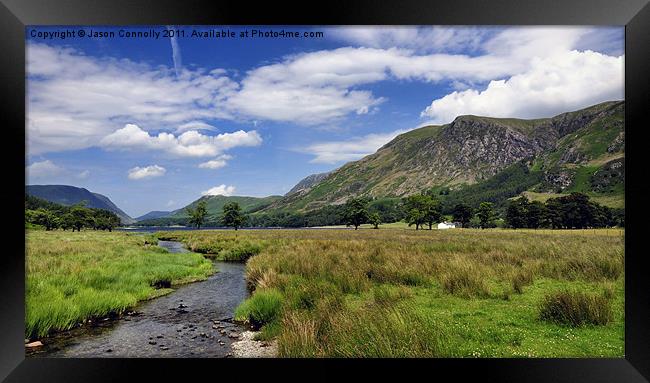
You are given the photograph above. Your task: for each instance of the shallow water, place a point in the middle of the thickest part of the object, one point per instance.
(193, 321)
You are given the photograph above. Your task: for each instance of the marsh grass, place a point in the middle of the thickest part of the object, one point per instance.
(576, 308)
(261, 309)
(221, 246)
(460, 293)
(72, 277)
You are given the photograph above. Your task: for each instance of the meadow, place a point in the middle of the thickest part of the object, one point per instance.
(443, 293)
(75, 277)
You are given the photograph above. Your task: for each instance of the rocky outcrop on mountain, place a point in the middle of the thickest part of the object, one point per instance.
(306, 183)
(557, 181)
(468, 150)
(609, 175)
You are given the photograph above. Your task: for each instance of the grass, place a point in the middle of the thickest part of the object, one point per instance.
(223, 247)
(261, 309)
(576, 308)
(73, 277)
(444, 293)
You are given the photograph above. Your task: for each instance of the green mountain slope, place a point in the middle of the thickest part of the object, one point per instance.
(71, 195)
(214, 206)
(575, 151)
(153, 215)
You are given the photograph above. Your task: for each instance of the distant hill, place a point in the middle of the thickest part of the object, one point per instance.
(71, 195)
(582, 151)
(153, 215)
(214, 204)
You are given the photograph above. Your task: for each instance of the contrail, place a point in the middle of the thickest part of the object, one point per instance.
(176, 52)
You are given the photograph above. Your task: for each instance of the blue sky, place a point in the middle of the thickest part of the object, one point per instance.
(154, 123)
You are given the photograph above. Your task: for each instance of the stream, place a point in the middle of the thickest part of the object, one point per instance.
(195, 320)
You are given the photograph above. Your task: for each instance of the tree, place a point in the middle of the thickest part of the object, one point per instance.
(463, 214)
(485, 214)
(432, 211)
(356, 212)
(232, 215)
(416, 210)
(45, 218)
(535, 214)
(375, 220)
(197, 214)
(80, 217)
(516, 213)
(553, 216)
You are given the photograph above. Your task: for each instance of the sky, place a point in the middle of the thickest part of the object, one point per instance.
(154, 122)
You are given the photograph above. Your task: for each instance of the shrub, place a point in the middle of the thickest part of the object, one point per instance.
(262, 308)
(575, 309)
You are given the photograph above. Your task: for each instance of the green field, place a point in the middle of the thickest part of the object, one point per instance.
(451, 293)
(72, 277)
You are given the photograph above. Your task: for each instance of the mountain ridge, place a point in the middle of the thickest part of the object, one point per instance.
(70, 195)
(471, 149)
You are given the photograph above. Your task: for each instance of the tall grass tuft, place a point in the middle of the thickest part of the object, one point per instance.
(576, 308)
(520, 279)
(263, 307)
(464, 279)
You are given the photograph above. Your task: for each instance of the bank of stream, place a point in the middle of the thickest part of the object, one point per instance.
(195, 320)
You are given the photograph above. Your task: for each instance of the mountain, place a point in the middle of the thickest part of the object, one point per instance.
(71, 195)
(214, 204)
(307, 183)
(153, 215)
(574, 151)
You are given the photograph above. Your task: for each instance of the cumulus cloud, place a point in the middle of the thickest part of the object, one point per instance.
(331, 152)
(74, 100)
(152, 171)
(43, 168)
(565, 81)
(220, 190)
(187, 144)
(217, 163)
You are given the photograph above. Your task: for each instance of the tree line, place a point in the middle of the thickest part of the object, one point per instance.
(424, 210)
(53, 216)
(574, 211)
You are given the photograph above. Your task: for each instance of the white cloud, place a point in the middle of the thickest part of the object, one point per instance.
(43, 169)
(559, 83)
(220, 190)
(84, 174)
(74, 100)
(152, 171)
(187, 144)
(194, 125)
(217, 163)
(348, 150)
(170, 203)
(428, 39)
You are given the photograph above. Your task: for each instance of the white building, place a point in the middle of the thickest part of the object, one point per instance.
(446, 225)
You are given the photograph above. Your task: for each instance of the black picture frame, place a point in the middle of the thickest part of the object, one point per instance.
(634, 14)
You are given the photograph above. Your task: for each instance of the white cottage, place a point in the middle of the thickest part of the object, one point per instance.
(446, 225)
